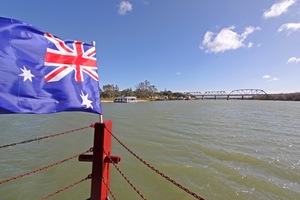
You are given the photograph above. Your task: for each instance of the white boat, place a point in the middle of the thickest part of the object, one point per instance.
(125, 100)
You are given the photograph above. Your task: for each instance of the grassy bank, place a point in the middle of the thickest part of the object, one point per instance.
(280, 97)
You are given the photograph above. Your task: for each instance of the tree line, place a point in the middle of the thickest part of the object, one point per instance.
(143, 90)
(295, 96)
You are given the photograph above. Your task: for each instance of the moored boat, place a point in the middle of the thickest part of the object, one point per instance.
(125, 99)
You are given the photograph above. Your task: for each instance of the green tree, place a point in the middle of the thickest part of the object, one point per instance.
(152, 90)
(110, 91)
(167, 93)
(178, 94)
(127, 92)
(145, 90)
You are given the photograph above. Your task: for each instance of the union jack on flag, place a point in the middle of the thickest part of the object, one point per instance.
(40, 73)
(68, 59)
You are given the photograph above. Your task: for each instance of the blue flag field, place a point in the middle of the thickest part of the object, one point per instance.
(40, 73)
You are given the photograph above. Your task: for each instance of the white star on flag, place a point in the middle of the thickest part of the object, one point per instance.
(26, 74)
(85, 101)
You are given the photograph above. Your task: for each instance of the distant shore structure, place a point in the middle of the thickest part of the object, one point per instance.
(235, 94)
(125, 99)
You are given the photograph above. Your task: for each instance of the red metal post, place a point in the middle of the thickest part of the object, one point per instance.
(100, 169)
(101, 159)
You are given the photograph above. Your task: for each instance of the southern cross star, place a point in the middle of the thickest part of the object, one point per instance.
(85, 101)
(26, 74)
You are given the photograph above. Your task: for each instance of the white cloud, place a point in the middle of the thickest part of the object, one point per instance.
(293, 60)
(279, 8)
(226, 39)
(124, 7)
(145, 2)
(270, 78)
(250, 44)
(290, 27)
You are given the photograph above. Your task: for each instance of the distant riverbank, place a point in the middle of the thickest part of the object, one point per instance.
(106, 100)
(272, 97)
(280, 97)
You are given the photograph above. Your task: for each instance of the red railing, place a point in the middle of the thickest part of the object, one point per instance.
(101, 160)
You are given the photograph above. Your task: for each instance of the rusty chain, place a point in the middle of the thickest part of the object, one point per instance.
(156, 170)
(88, 177)
(43, 168)
(128, 181)
(65, 188)
(110, 192)
(46, 137)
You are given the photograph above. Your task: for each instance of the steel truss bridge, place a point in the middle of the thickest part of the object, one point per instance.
(235, 94)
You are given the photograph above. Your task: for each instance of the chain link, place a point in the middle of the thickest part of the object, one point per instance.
(88, 177)
(110, 192)
(45, 137)
(128, 181)
(154, 169)
(65, 188)
(43, 168)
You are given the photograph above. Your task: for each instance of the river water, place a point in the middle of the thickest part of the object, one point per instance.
(219, 149)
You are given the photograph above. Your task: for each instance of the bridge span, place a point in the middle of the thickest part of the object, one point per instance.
(235, 94)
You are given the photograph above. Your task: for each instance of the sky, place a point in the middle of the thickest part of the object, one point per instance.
(179, 45)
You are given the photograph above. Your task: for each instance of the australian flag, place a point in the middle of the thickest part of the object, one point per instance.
(40, 73)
